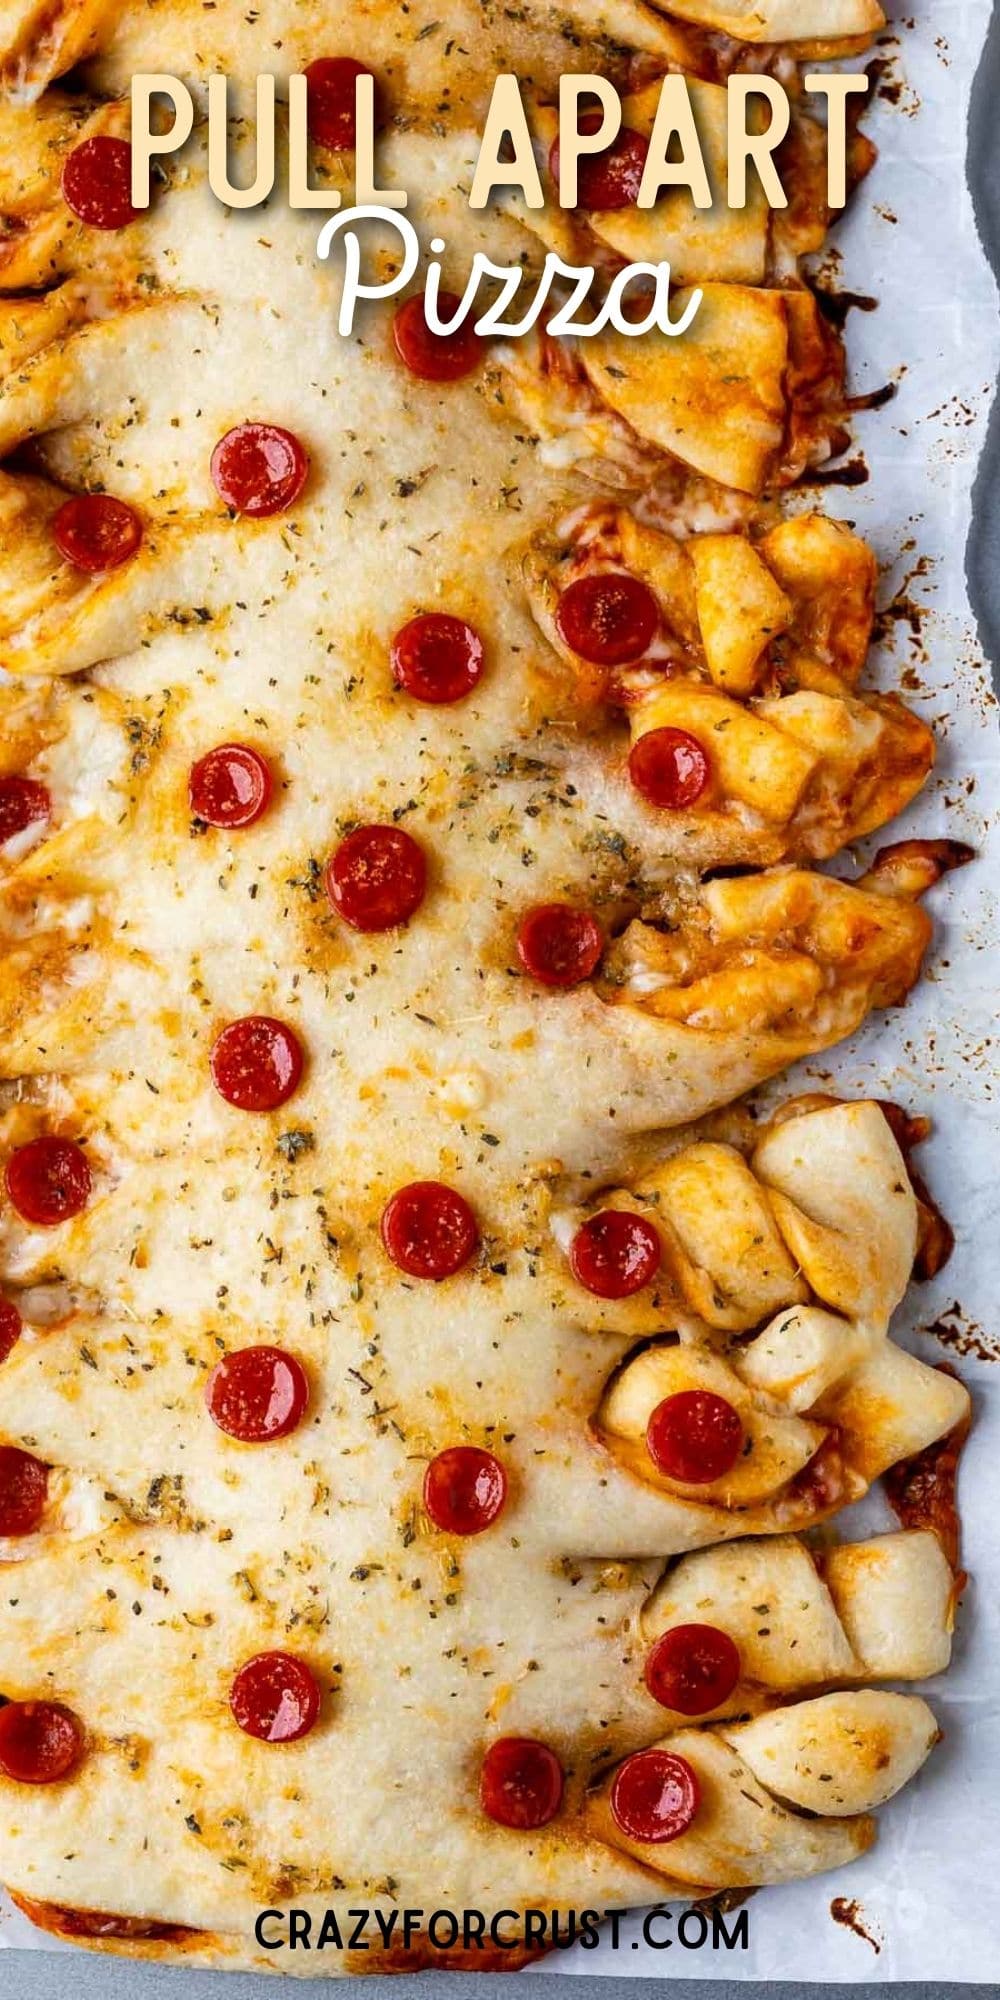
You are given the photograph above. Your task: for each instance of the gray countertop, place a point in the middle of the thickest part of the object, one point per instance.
(983, 553)
(61, 1976)
(75, 1977)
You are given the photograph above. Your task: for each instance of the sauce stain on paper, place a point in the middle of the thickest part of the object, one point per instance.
(848, 1912)
(962, 1335)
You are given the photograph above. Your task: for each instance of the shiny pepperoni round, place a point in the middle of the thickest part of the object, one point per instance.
(10, 1328)
(436, 357)
(437, 658)
(669, 768)
(609, 620)
(429, 1230)
(23, 803)
(256, 1063)
(609, 179)
(694, 1437)
(654, 1796)
(95, 532)
(693, 1668)
(24, 1486)
(49, 1180)
(521, 1783)
(257, 1394)
(330, 101)
(259, 469)
(377, 878)
(559, 945)
(40, 1741)
(615, 1253)
(230, 786)
(275, 1697)
(465, 1490)
(97, 182)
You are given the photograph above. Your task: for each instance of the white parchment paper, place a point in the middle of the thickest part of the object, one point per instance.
(928, 1894)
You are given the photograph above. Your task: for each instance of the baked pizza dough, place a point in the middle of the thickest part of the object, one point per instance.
(388, 1290)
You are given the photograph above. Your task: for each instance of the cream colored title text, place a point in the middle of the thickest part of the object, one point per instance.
(507, 161)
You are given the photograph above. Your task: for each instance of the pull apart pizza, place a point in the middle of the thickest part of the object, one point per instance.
(423, 1397)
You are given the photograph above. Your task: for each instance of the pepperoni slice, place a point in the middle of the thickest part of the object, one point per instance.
(465, 1489)
(655, 1796)
(259, 469)
(230, 786)
(257, 1394)
(23, 803)
(612, 178)
(437, 658)
(275, 1697)
(10, 1328)
(256, 1063)
(436, 357)
(615, 1254)
(669, 768)
(377, 878)
(521, 1783)
(694, 1437)
(609, 620)
(95, 532)
(559, 945)
(331, 101)
(24, 1486)
(97, 182)
(40, 1741)
(49, 1180)
(429, 1230)
(693, 1668)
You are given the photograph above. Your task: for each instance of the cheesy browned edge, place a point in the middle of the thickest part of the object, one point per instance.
(169, 1553)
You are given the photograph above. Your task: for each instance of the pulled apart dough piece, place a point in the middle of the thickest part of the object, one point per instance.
(835, 1758)
(42, 39)
(828, 23)
(39, 42)
(759, 971)
(825, 1402)
(799, 773)
(818, 1209)
(791, 959)
(803, 1618)
(757, 656)
(151, 1687)
(845, 1752)
(749, 396)
(825, 1405)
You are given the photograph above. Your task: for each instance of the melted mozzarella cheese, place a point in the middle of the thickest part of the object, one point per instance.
(132, 934)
